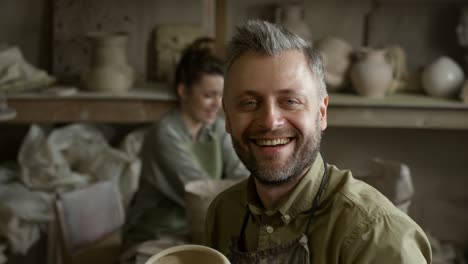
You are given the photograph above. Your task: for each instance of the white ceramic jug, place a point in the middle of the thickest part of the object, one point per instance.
(372, 73)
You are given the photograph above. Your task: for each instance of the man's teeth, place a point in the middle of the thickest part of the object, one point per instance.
(272, 142)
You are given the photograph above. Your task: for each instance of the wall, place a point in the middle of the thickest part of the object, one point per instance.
(26, 23)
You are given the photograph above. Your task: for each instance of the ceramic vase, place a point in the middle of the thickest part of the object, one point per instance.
(442, 78)
(371, 73)
(336, 55)
(109, 70)
(291, 17)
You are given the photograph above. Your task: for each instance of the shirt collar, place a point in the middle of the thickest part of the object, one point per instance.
(299, 200)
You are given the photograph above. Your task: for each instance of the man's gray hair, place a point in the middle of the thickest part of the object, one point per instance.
(266, 38)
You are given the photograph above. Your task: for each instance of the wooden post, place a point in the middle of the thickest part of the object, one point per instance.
(220, 28)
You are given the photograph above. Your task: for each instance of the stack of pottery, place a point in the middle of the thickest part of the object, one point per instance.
(442, 78)
(291, 17)
(109, 70)
(336, 54)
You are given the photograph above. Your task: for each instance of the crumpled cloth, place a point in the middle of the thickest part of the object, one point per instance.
(129, 181)
(69, 157)
(60, 160)
(17, 75)
(21, 213)
(393, 179)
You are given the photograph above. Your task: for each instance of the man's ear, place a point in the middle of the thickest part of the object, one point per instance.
(181, 90)
(227, 124)
(323, 113)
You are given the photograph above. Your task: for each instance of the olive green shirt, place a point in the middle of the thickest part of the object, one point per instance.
(354, 223)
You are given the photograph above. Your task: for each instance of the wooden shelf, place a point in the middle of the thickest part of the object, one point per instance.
(140, 106)
(397, 111)
(135, 106)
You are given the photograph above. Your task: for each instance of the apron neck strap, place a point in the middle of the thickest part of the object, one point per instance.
(318, 196)
(315, 203)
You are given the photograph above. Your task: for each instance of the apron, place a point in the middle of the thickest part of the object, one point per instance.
(148, 214)
(294, 251)
(208, 155)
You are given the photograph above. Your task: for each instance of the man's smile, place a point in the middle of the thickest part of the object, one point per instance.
(272, 142)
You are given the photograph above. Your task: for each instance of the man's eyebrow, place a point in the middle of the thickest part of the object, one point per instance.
(290, 91)
(248, 93)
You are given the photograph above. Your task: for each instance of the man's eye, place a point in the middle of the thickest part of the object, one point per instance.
(248, 104)
(292, 103)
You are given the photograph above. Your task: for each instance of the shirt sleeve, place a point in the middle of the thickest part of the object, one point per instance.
(168, 163)
(387, 239)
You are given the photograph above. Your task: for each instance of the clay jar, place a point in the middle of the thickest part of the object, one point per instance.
(371, 73)
(291, 17)
(442, 78)
(336, 54)
(109, 70)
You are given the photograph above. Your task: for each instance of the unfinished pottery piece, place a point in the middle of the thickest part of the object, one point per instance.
(442, 78)
(336, 55)
(372, 73)
(170, 41)
(188, 254)
(291, 17)
(198, 196)
(109, 70)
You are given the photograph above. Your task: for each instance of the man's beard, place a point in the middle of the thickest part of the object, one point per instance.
(302, 158)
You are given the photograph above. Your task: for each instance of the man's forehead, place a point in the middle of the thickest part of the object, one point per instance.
(285, 71)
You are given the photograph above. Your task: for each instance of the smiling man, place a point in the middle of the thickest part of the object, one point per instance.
(295, 208)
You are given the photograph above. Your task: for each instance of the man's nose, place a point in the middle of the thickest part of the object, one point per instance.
(270, 117)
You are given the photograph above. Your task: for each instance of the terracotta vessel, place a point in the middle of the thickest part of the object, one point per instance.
(109, 70)
(372, 73)
(291, 17)
(336, 54)
(442, 78)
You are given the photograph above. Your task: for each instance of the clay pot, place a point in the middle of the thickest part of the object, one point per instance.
(442, 78)
(336, 54)
(109, 70)
(371, 74)
(188, 254)
(291, 17)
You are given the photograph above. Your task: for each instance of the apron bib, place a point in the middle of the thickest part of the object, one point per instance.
(208, 155)
(295, 251)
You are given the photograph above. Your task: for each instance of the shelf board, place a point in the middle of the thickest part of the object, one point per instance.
(397, 111)
(140, 106)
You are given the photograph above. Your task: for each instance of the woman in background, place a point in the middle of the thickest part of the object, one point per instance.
(188, 143)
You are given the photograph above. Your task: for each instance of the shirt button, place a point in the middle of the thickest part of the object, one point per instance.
(286, 218)
(269, 229)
